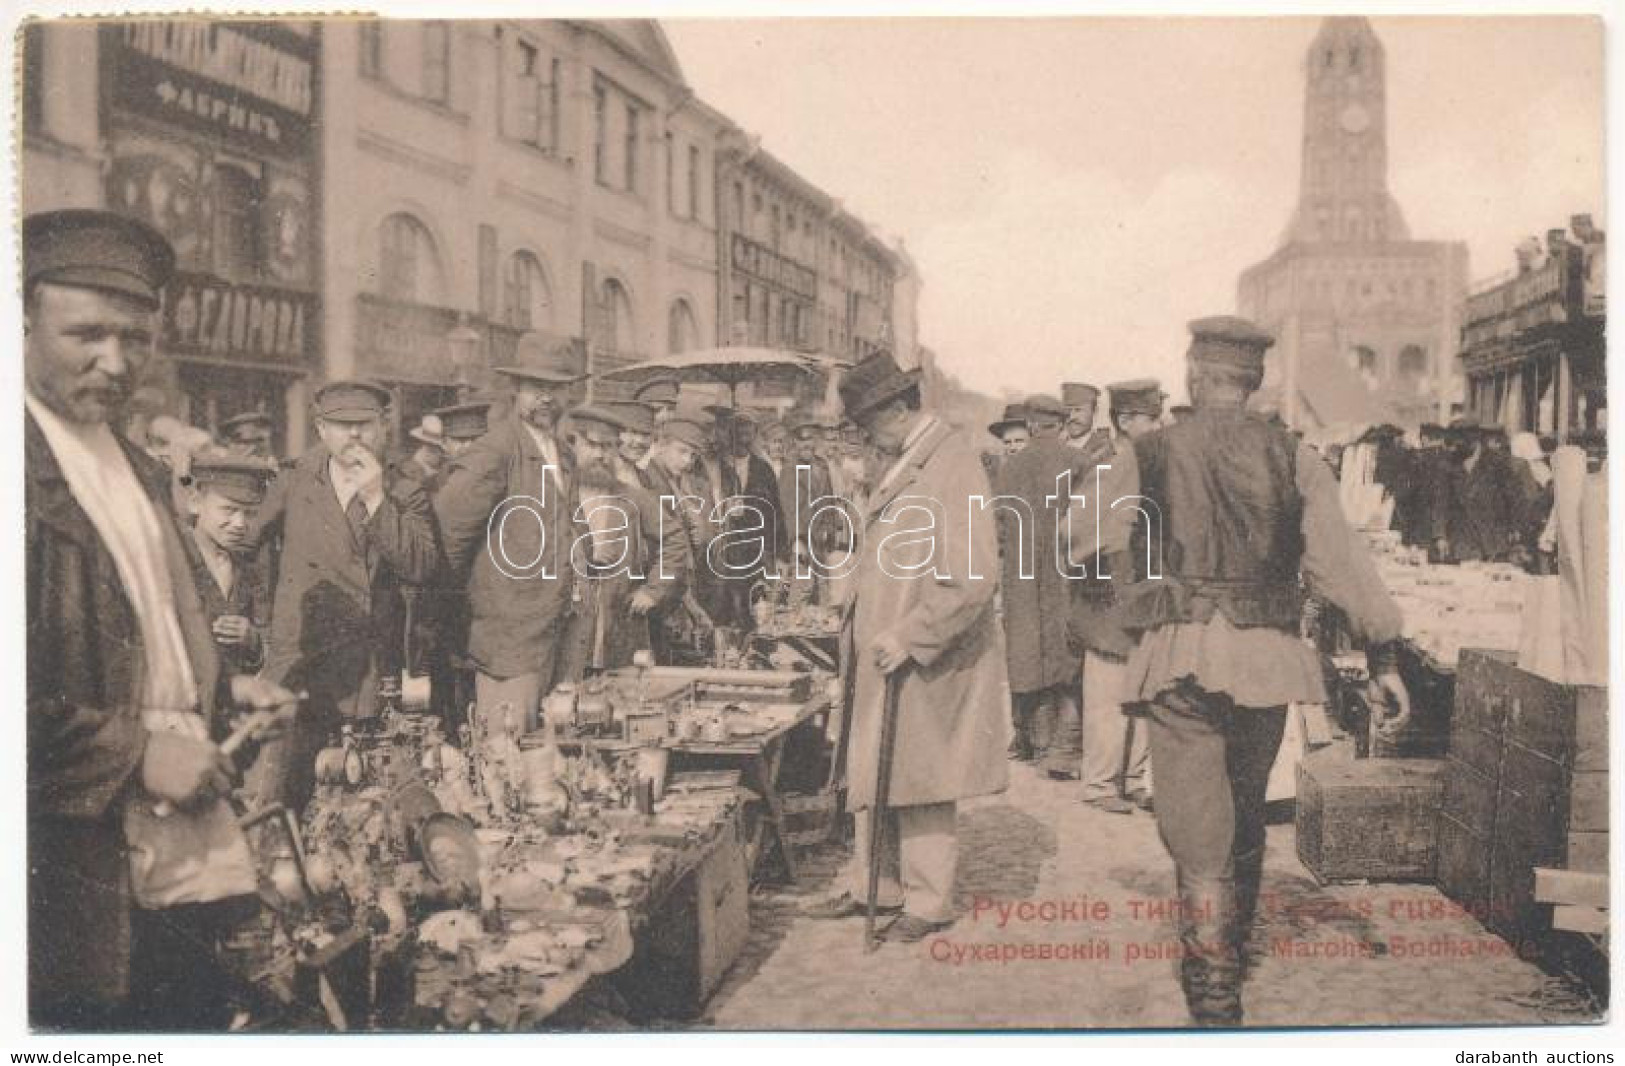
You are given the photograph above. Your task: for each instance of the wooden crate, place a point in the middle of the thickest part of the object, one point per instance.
(1468, 795)
(723, 889)
(1367, 819)
(811, 819)
(1464, 865)
(1591, 729)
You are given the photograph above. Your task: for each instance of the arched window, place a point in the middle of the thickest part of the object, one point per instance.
(619, 333)
(1364, 360)
(408, 267)
(527, 302)
(682, 329)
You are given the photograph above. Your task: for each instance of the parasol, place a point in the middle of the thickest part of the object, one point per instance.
(722, 366)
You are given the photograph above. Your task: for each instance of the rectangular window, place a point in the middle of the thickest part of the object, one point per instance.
(437, 61)
(671, 174)
(550, 121)
(600, 133)
(693, 181)
(372, 48)
(739, 207)
(632, 116)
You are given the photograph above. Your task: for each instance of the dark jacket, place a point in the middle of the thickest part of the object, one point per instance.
(335, 619)
(1225, 485)
(1486, 507)
(1037, 594)
(519, 606)
(247, 598)
(84, 733)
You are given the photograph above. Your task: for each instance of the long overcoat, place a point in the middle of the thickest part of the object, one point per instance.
(1037, 596)
(954, 706)
(84, 735)
(518, 569)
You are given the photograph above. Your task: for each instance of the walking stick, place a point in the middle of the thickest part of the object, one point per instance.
(877, 809)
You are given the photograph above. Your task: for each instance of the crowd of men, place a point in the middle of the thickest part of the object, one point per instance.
(525, 538)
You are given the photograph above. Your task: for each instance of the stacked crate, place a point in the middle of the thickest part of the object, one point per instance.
(1516, 771)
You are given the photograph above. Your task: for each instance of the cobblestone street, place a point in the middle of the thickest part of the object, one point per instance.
(1356, 945)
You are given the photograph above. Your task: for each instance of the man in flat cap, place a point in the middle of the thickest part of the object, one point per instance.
(248, 434)
(637, 422)
(1081, 402)
(353, 535)
(936, 638)
(752, 523)
(1114, 745)
(1246, 511)
(1043, 670)
(679, 580)
(659, 394)
(115, 627)
(226, 491)
(462, 424)
(520, 478)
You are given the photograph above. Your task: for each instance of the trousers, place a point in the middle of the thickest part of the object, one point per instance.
(918, 853)
(1110, 756)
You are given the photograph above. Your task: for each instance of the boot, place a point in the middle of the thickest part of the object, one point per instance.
(1041, 724)
(1064, 759)
(1249, 877)
(1209, 968)
(1021, 741)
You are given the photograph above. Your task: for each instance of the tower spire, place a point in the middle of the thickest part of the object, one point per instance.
(1343, 182)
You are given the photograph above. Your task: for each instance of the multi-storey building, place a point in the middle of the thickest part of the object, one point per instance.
(1365, 318)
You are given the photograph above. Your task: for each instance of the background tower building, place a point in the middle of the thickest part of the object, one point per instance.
(1366, 318)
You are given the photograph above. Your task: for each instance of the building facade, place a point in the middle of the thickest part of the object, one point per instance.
(1533, 344)
(489, 178)
(209, 132)
(1365, 318)
(401, 200)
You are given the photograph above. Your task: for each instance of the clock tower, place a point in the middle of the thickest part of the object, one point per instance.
(1343, 186)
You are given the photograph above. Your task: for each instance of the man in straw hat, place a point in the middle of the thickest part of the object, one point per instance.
(1246, 511)
(935, 637)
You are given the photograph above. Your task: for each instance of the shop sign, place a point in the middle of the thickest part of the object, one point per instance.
(206, 316)
(240, 81)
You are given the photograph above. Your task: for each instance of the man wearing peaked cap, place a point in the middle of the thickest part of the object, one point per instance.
(1080, 401)
(519, 591)
(226, 490)
(1253, 512)
(682, 582)
(660, 393)
(114, 623)
(355, 533)
(248, 434)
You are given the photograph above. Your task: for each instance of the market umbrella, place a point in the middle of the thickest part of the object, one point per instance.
(723, 366)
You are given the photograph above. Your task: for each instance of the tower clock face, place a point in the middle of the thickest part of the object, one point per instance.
(1354, 119)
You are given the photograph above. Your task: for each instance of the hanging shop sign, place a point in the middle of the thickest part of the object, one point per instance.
(252, 84)
(210, 318)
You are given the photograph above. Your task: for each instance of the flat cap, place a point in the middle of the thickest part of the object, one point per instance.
(97, 250)
(1077, 394)
(597, 424)
(688, 423)
(250, 425)
(1040, 406)
(1139, 396)
(1181, 411)
(660, 390)
(465, 421)
(238, 479)
(634, 417)
(351, 401)
(1229, 340)
(807, 425)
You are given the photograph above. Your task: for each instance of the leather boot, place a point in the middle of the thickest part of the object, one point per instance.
(1249, 867)
(1064, 760)
(1021, 728)
(1209, 968)
(1041, 723)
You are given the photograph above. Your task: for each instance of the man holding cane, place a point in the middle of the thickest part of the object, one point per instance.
(922, 619)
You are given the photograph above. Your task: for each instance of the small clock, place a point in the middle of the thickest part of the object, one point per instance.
(1354, 119)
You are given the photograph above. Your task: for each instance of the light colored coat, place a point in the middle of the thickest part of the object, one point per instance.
(954, 707)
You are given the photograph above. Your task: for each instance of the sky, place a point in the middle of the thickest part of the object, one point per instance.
(1075, 190)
